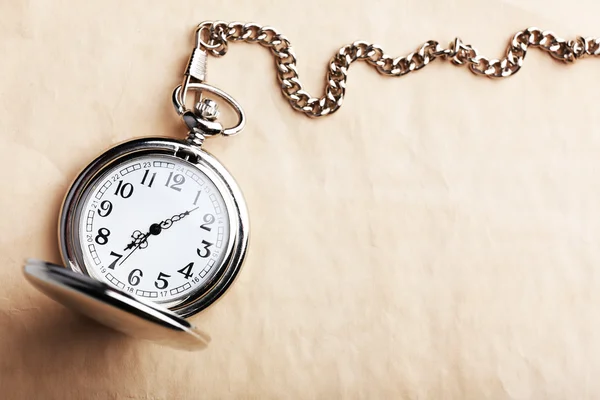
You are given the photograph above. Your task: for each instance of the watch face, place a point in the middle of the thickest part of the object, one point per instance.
(155, 226)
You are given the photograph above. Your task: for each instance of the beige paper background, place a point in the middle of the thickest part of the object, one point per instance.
(436, 238)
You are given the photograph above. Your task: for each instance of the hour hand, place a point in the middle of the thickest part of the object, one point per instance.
(139, 240)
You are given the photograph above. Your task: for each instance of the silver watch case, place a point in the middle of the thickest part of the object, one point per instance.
(81, 285)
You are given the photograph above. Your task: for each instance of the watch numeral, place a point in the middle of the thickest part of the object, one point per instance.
(178, 180)
(90, 238)
(197, 196)
(124, 190)
(134, 279)
(187, 270)
(102, 237)
(105, 206)
(114, 263)
(147, 164)
(205, 251)
(151, 178)
(209, 219)
(163, 282)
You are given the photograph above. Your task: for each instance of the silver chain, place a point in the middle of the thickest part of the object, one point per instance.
(214, 38)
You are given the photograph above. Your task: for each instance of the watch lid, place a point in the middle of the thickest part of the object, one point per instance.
(114, 308)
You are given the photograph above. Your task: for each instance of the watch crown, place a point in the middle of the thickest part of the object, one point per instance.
(208, 109)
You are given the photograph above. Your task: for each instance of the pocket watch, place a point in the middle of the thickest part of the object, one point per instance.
(155, 230)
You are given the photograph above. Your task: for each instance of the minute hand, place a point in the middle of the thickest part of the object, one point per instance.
(166, 224)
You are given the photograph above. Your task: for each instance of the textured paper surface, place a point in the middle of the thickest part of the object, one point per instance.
(436, 238)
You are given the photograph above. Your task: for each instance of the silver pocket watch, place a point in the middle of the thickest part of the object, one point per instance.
(154, 230)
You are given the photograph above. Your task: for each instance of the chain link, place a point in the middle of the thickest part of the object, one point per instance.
(216, 35)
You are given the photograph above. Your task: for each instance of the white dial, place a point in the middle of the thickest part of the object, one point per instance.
(155, 226)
